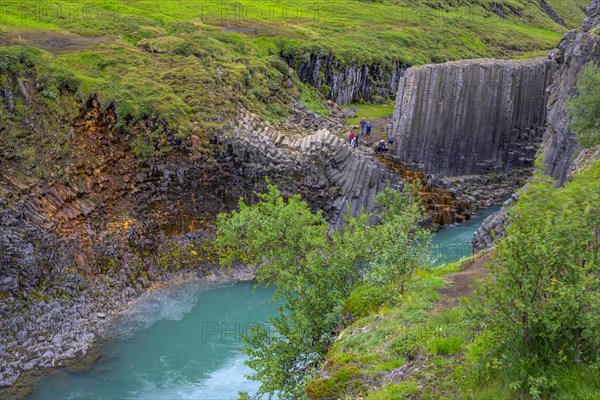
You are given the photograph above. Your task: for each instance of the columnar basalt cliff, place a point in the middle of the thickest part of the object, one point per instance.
(322, 166)
(471, 117)
(347, 83)
(576, 50)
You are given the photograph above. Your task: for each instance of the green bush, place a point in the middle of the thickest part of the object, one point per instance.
(584, 109)
(539, 309)
(315, 271)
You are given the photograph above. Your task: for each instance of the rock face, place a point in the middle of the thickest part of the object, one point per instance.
(471, 117)
(493, 227)
(73, 250)
(576, 50)
(347, 83)
(455, 199)
(322, 167)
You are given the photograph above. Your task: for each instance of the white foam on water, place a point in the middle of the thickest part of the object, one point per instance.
(166, 377)
(222, 384)
(169, 303)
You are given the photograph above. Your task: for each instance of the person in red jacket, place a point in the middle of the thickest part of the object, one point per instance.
(351, 137)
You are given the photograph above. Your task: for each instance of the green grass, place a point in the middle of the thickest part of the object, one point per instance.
(190, 68)
(313, 101)
(570, 11)
(396, 391)
(430, 346)
(182, 62)
(370, 112)
(393, 333)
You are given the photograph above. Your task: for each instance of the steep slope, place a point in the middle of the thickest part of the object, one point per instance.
(576, 50)
(86, 224)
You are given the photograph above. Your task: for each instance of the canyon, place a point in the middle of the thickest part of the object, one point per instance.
(76, 248)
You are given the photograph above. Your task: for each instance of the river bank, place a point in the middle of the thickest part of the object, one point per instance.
(115, 329)
(61, 331)
(176, 342)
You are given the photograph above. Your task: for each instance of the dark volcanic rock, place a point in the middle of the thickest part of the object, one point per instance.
(68, 263)
(322, 167)
(471, 117)
(347, 83)
(576, 50)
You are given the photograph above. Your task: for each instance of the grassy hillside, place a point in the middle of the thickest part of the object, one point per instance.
(519, 321)
(421, 346)
(196, 60)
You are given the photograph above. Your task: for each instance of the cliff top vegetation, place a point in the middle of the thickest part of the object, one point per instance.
(196, 60)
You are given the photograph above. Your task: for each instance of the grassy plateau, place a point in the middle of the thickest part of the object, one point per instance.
(191, 63)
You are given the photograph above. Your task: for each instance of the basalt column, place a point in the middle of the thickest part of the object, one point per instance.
(471, 117)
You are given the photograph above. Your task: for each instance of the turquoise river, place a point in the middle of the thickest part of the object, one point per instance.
(184, 342)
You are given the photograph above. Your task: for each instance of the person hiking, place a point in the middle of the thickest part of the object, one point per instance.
(363, 124)
(368, 128)
(355, 142)
(381, 147)
(351, 137)
(390, 140)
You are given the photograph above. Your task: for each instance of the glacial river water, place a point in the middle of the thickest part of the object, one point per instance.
(184, 342)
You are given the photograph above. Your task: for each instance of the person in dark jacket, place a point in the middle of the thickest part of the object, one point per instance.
(363, 124)
(381, 147)
(368, 128)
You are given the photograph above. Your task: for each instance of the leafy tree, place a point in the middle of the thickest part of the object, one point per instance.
(314, 271)
(540, 307)
(584, 109)
(402, 245)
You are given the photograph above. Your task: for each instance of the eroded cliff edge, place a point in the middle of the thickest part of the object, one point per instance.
(76, 246)
(575, 51)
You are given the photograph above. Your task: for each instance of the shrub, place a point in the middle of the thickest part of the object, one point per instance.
(539, 308)
(315, 271)
(584, 109)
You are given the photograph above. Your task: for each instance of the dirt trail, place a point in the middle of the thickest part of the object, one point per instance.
(55, 42)
(459, 283)
(377, 133)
